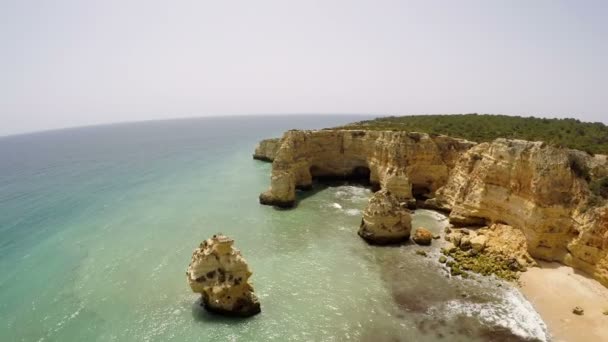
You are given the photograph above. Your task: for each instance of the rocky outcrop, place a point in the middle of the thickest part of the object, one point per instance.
(385, 220)
(539, 190)
(501, 239)
(588, 250)
(221, 275)
(423, 236)
(406, 164)
(266, 149)
(498, 240)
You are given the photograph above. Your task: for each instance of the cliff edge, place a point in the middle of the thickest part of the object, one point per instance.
(266, 150)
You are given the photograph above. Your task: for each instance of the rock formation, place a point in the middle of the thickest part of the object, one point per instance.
(499, 249)
(385, 221)
(540, 190)
(267, 149)
(423, 236)
(221, 275)
(407, 164)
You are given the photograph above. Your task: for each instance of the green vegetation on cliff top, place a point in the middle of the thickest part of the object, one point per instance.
(571, 133)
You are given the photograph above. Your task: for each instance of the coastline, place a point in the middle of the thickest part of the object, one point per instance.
(555, 289)
(458, 184)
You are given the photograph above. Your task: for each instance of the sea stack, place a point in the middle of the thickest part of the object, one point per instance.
(220, 274)
(385, 220)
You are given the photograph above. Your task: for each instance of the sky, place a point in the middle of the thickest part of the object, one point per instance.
(70, 63)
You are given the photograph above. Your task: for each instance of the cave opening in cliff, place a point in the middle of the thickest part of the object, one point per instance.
(421, 191)
(359, 175)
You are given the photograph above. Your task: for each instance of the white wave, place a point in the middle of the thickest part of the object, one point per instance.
(352, 212)
(352, 193)
(514, 313)
(336, 205)
(434, 214)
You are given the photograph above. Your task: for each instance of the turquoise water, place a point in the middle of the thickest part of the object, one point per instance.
(98, 225)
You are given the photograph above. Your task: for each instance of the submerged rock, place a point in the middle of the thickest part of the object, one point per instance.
(385, 221)
(421, 252)
(221, 275)
(578, 311)
(423, 236)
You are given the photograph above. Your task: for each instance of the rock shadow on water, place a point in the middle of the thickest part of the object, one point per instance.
(200, 314)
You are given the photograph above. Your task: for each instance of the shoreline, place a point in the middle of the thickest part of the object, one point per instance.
(555, 289)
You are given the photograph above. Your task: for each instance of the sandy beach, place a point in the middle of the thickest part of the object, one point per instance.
(555, 289)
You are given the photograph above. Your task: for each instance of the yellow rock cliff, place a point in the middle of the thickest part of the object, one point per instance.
(541, 190)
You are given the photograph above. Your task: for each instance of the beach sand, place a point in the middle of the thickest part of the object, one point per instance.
(555, 289)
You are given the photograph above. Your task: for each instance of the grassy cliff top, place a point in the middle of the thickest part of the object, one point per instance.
(571, 133)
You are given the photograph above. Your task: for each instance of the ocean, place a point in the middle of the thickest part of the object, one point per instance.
(98, 225)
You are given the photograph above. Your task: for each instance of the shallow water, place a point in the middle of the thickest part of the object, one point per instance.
(98, 225)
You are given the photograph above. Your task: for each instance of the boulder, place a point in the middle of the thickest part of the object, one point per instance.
(221, 275)
(449, 248)
(478, 243)
(423, 236)
(465, 243)
(385, 221)
(578, 311)
(421, 252)
(455, 238)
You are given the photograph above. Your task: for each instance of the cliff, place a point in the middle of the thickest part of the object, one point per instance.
(406, 164)
(267, 149)
(541, 190)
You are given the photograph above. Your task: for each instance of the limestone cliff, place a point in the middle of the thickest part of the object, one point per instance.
(221, 275)
(267, 149)
(384, 220)
(403, 163)
(541, 190)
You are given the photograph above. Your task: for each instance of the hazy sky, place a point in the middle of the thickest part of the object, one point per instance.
(67, 63)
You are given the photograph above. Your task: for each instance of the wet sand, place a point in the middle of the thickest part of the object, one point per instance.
(555, 289)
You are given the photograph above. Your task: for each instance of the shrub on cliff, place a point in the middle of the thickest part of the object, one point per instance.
(579, 167)
(572, 133)
(599, 187)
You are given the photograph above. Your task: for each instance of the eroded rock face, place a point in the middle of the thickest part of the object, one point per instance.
(221, 275)
(404, 163)
(538, 189)
(266, 149)
(385, 221)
